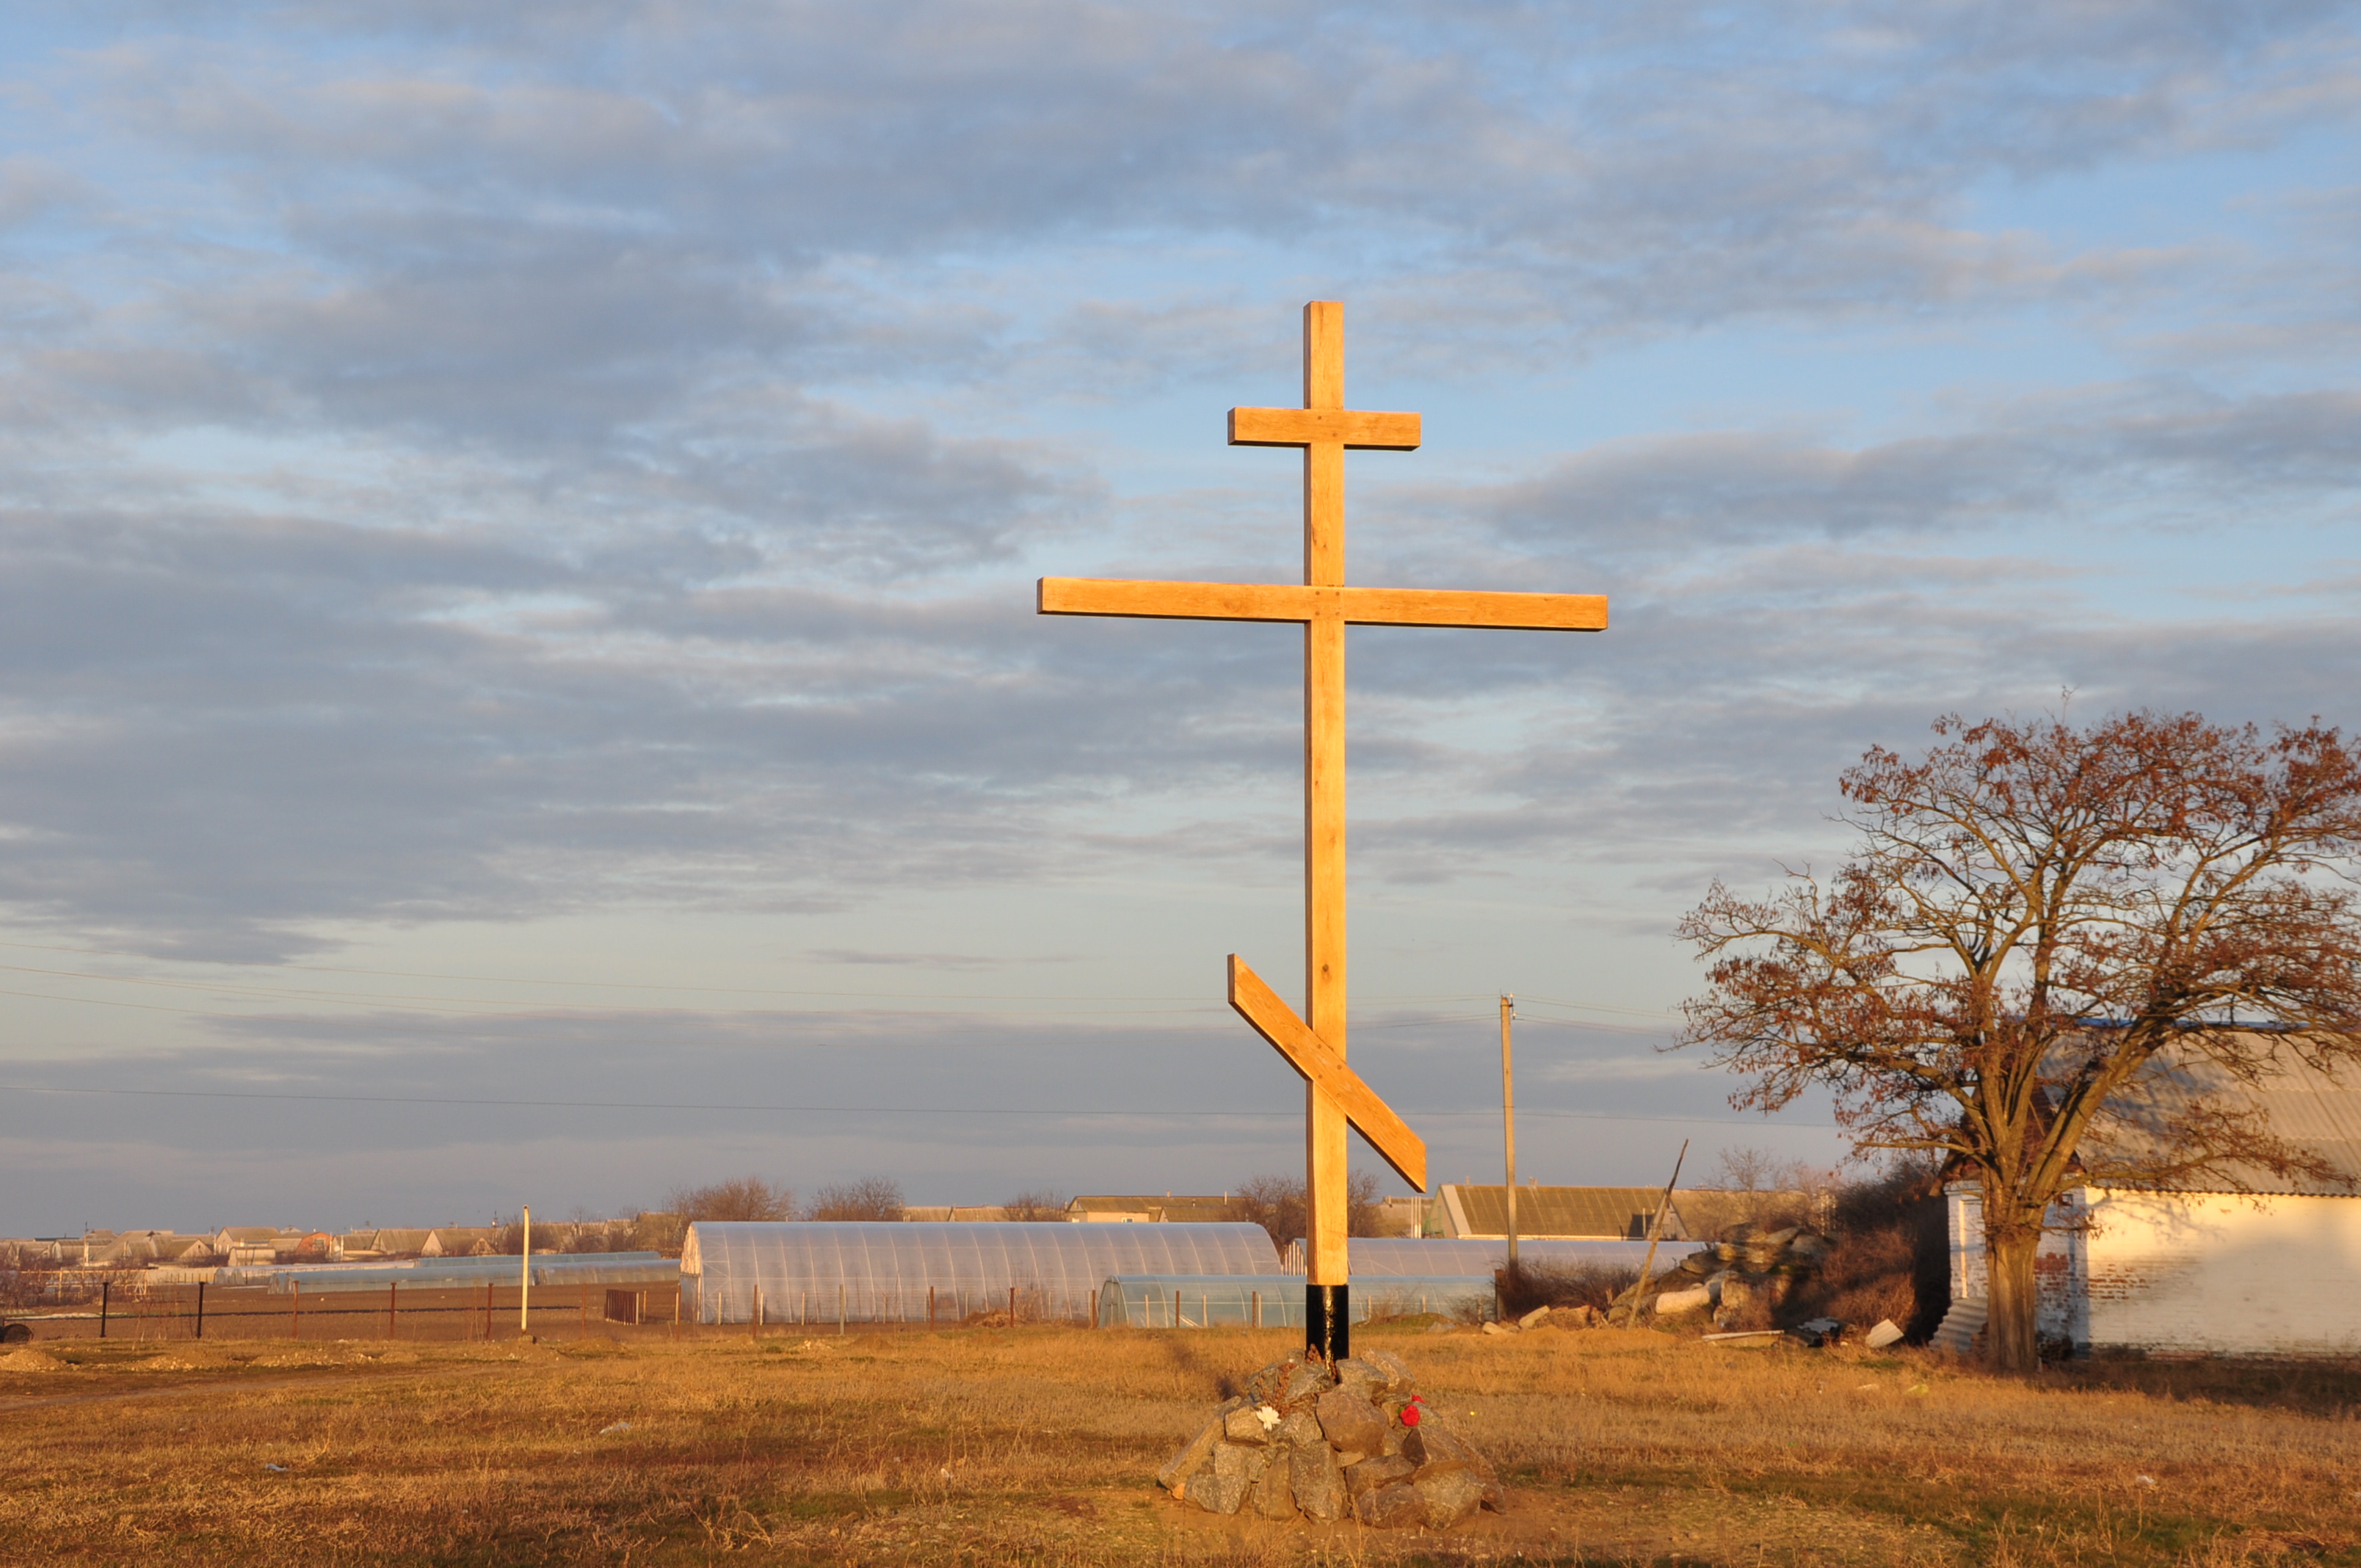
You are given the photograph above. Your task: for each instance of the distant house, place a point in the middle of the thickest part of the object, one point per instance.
(1602, 1214)
(460, 1241)
(2201, 1268)
(399, 1243)
(1149, 1208)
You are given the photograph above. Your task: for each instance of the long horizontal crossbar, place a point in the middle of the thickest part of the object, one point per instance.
(1309, 1054)
(1304, 427)
(1293, 601)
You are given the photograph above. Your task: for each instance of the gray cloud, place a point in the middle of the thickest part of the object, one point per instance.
(493, 463)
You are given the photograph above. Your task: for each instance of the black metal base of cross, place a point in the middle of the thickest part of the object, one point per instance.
(1328, 1322)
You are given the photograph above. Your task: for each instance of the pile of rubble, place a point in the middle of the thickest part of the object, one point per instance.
(1311, 1442)
(1746, 1267)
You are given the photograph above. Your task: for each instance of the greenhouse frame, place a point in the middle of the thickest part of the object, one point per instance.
(904, 1272)
(1276, 1301)
(643, 1269)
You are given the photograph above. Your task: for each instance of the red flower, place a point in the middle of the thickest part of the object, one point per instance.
(1410, 1415)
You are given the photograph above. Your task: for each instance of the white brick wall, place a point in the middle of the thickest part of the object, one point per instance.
(2197, 1272)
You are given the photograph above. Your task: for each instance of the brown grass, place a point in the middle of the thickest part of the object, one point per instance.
(1035, 1445)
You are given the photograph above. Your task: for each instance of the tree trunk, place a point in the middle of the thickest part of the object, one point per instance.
(2015, 1299)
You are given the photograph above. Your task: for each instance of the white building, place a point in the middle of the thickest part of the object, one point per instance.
(2272, 1271)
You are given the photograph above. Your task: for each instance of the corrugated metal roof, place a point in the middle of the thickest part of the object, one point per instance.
(1377, 1257)
(1593, 1211)
(2307, 1107)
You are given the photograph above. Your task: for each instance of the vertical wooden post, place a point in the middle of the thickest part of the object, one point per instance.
(524, 1278)
(488, 1311)
(201, 1308)
(754, 1322)
(931, 1305)
(839, 1309)
(1258, 1308)
(1011, 1306)
(106, 1297)
(1094, 1309)
(675, 1313)
(1326, 1258)
(1508, 1125)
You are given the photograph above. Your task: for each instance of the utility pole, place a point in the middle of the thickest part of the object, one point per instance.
(1508, 1120)
(525, 1281)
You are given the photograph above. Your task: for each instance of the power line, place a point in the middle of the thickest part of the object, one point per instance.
(831, 1110)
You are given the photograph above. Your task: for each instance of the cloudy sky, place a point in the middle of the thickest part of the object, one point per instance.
(518, 679)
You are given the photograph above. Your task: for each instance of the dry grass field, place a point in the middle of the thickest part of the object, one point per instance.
(1035, 1445)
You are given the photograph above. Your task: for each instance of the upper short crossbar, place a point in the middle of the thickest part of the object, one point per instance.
(1295, 601)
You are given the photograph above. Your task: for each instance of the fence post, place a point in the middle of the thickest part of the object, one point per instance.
(105, 1291)
(754, 1323)
(839, 1309)
(1094, 1309)
(1258, 1308)
(295, 1309)
(675, 1312)
(1011, 1306)
(931, 1305)
(1176, 1306)
(390, 1287)
(201, 1308)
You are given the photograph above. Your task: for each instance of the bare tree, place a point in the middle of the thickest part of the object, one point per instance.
(2040, 929)
(871, 1197)
(1276, 1204)
(1036, 1203)
(738, 1198)
(1746, 1169)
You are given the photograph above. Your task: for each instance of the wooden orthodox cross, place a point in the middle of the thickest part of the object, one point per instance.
(1314, 1045)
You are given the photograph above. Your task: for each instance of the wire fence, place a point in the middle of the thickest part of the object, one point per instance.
(138, 1310)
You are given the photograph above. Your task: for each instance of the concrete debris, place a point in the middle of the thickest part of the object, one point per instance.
(1961, 1326)
(1886, 1333)
(1306, 1441)
(1817, 1332)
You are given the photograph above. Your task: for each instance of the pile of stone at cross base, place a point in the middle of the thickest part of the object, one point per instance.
(1306, 1441)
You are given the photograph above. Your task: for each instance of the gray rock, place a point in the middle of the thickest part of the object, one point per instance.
(1239, 1460)
(1305, 1381)
(1448, 1494)
(1301, 1430)
(1400, 1383)
(1319, 1484)
(1245, 1425)
(1431, 1443)
(1353, 1425)
(1272, 1495)
(1362, 1377)
(1370, 1475)
(1192, 1458)
(1397, 1507)
(1217, 1494)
